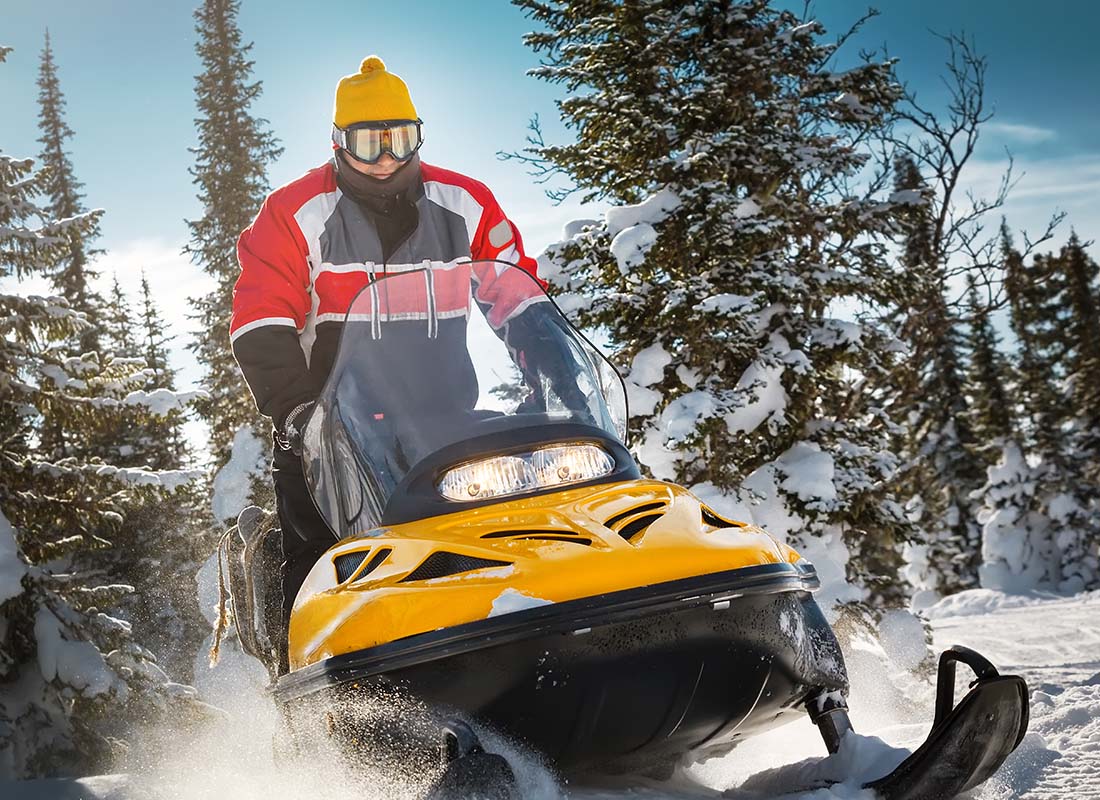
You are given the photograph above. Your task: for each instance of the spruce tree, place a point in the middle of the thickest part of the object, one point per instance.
(1021, 526)
(73, 274)
(941, 465)
(231, 160)
(155, 339)
(991, 407)
(73, 680)
(1075, 510)
(1081, 277)
(118, 323)
(1031, 292)
(729, 151)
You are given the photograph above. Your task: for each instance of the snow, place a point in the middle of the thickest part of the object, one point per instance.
(511, 600)
(765, 399)
(1053, 642)
(726, 303)
(655, 454)
(746, 208)
(907, 197)
(233, 483)
(631, 245)
(648, 366)
(1017, 555)
(12, 568)
(100, 787)
(809, 474)
(650, 211)
(575, 228)
(646, 369)
(631, 227)
(837, 333)
(164, 401)
(902, 637)
(641, 399)
(237, 678)
(683, 415)
(170, 479)
(77, 664)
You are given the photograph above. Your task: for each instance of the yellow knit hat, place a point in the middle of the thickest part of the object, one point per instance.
(371, 95)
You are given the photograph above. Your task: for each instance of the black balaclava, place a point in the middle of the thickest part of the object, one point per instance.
(390, 203)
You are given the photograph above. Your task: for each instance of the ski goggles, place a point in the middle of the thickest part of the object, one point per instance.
(367, 141)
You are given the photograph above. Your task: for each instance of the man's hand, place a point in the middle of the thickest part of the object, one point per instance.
(539, 348)
(290, 437)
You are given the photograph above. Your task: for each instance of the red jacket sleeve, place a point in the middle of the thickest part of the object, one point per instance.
(498, 238)
(270, 303)
(273, 287)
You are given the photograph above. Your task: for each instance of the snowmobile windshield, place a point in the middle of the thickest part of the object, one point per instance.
(457, 383)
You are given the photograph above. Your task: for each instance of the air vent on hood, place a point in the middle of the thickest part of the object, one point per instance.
(715, 521)
(630, 512)
(347, 563)
(634, 521)
(541, 534)
(637, 525)
(442, 564)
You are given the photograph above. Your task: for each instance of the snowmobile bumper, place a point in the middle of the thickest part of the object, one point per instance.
(621, 682)
(968, 741)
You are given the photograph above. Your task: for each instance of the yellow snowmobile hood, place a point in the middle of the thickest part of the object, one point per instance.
(444, 571)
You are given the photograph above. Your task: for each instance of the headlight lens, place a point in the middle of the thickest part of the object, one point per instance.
(504, 475)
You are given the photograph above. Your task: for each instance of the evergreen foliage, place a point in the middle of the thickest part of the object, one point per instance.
(730, 151)
(72, 677)
(991, 408)
(73, 273)
(1047, 528)
(942, 467)
(231, 160)
(118, 325)
(155, 339)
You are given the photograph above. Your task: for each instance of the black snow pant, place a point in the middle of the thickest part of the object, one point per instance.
(305, 534)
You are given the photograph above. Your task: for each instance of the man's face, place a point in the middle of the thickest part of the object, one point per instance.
(382, 169)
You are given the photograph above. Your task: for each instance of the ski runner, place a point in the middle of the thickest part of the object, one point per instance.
(374, 207)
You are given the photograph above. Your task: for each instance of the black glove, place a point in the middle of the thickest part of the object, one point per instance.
(539, 347)
(289, 436)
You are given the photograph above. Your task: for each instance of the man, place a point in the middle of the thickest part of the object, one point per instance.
(375, 207)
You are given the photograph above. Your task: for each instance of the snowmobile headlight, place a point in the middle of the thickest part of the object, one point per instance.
(490, 477)
(525, 472)
(570, 464)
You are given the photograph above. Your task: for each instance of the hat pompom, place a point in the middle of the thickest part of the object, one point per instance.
(370, 64)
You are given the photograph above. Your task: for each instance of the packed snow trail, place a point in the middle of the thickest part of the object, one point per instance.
(1053, 642)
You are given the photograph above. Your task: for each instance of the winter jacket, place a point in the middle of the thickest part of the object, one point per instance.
(312, 248)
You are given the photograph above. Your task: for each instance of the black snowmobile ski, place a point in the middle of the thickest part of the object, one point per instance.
(968, 741)
(469, 772)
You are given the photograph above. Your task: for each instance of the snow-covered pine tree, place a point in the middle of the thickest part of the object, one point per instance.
(230, 171)
(942, 467)
(988, 376)
(72, 677)
(155, 338)
(73, 276)
(730, 151)
(1018, 549)
(1075, 510)
(160, 546)
(118, 322)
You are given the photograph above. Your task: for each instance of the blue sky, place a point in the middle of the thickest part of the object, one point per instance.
(127, 67)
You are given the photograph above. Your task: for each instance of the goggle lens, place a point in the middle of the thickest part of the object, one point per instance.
(368, 144)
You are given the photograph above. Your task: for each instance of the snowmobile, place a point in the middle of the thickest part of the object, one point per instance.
(499, 559)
